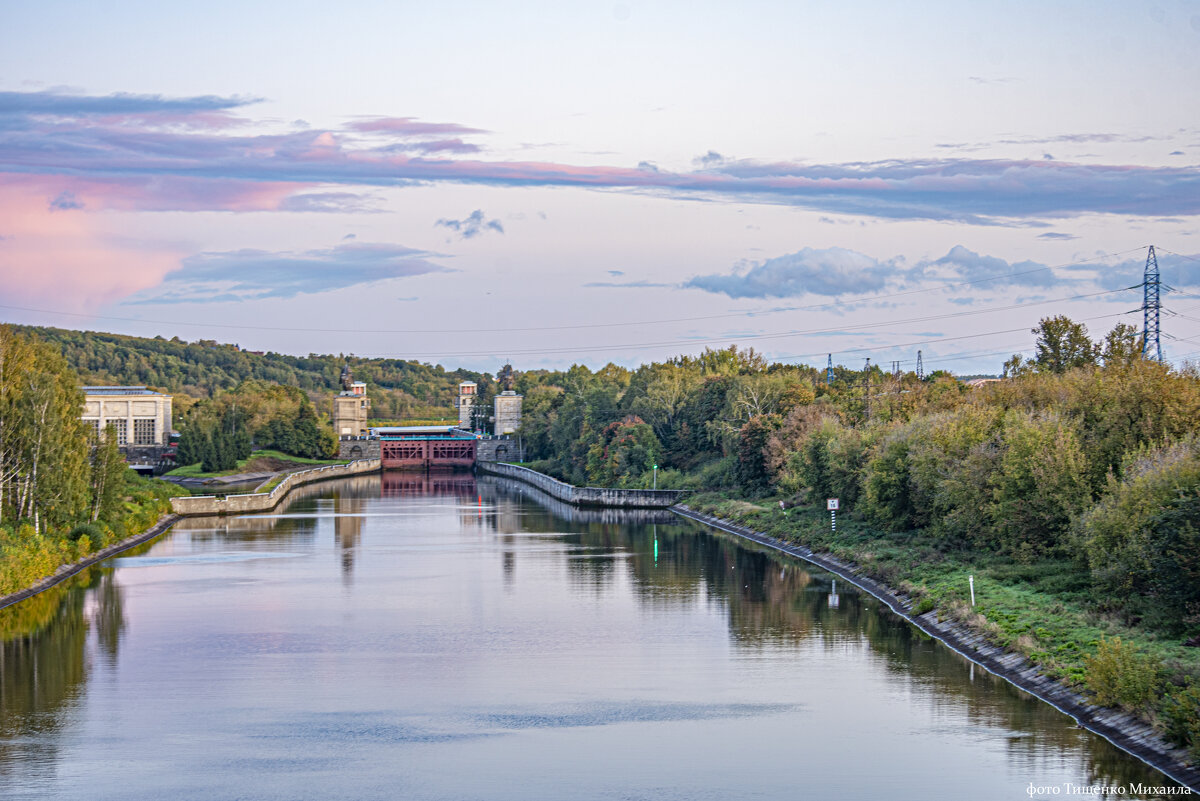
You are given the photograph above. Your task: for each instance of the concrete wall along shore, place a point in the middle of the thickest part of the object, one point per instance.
(265, 501)
(584, 496)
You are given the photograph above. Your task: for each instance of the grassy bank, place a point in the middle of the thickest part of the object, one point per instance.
(258, 462)
(1044, 609)
(29, 555)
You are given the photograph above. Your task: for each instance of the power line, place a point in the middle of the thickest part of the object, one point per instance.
(777, 335)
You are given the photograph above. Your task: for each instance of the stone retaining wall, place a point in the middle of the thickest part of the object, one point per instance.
(265, 501)
(584, 496)
(501, 449)
(356, 448)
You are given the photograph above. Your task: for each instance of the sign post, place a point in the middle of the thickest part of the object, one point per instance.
(832, 505)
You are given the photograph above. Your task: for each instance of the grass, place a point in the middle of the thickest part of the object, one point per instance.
(284, 460)
(1046, 610)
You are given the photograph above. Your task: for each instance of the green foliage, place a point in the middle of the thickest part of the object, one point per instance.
(220, 432)
(1142, 539)
(1119, 676)
(1063, 345)
(90, 530)
(1180, 711)
(752, 472)
(1040, 485)
(624, 452)
(203, 369)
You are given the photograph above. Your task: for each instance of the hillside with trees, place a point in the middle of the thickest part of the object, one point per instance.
(202, 369)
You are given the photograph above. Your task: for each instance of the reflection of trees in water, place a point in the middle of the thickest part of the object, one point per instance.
(774, 601)
(108, 615)
(41, 677)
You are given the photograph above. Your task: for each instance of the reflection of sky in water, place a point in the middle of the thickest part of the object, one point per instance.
(348, 649)
(197, 559)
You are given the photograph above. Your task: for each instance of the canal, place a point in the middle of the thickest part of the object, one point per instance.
(442, 638)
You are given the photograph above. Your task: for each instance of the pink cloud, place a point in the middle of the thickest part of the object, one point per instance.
(155, 193)
(63, 260)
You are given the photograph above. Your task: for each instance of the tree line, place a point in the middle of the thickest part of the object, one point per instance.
(219, 431)
(202, 369)
(1085, 451)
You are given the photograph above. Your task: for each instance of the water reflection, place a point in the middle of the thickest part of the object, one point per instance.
(374, 533)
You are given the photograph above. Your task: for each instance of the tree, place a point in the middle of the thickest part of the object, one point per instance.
(1122, 346)
(108, 476)
(1063, 345)
(752, 471)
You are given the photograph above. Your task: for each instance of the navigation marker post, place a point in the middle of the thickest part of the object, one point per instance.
(971, 581)
(832, 505)
(655, 476)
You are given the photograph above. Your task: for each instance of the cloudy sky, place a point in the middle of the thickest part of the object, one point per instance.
(551, 183)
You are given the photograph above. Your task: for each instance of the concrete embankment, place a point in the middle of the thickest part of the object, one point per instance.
(1122, 730)
(584, 496)
(190, 505)
(66, 571)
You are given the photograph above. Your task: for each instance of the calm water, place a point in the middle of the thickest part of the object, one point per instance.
(442, 639)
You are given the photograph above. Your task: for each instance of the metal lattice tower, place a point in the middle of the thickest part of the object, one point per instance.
(829, 370)
(920, 368)
(895, 369)
(1151, 347)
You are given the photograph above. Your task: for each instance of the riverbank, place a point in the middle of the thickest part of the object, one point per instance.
(66, 571)
(1124, 730)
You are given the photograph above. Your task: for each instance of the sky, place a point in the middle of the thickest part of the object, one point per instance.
(556, 183)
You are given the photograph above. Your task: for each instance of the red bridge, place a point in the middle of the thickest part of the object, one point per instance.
(426, 448)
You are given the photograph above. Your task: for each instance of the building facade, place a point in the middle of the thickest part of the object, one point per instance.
(508, 412)
(139, 417)
(467, 393)
(350, 410)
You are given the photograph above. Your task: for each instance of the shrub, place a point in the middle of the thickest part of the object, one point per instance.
(1119, 676)
(90, 530)
(1141, 540)
(1181, 719)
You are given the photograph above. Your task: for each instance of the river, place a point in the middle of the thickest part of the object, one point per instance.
(442, 638)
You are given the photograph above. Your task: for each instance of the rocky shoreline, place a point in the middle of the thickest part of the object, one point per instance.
(1123, 730)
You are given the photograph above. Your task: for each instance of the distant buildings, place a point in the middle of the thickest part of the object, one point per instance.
(140, 417)
(508, 412)
(351, 407)
(467, 393)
